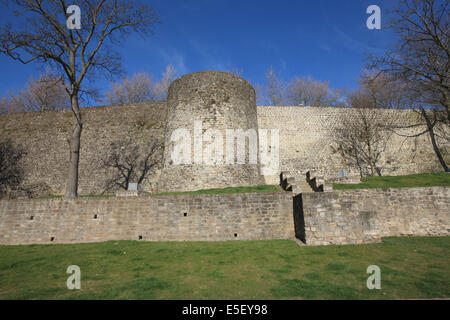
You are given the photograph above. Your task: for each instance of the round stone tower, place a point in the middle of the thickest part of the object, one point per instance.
(211, 133)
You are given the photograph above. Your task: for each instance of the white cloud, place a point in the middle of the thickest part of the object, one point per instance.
(175, 58)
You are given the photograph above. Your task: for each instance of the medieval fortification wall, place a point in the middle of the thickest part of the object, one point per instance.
(44, 136)
(219, 101)
(205, 105)
(305, 144)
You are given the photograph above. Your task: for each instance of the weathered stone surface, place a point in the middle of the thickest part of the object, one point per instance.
(345, 179)
(220, 101)
(44, 137)
(358, 216)
(339, 217)
(306, 143)
(128, 193)
(251, 216)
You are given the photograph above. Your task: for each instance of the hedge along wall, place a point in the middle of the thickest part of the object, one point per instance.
(251, 216)
(359, 216)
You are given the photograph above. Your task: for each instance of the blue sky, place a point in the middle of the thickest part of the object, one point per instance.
(327, 40)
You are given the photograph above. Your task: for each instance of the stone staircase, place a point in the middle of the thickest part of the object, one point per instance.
(289, 183)
(317, 182)
(304, 186)
(312, 183)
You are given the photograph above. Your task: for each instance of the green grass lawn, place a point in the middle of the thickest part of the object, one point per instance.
(411, 267)
(263, 188)
(414, 180)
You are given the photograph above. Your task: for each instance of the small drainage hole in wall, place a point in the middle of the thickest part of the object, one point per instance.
(235, 235)
(185, 214)
(52, 238)
(95, 216)
(140, 237)
(31, 218)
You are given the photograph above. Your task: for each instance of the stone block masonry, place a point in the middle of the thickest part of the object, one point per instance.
(321, 218)
(44, 137)
(305, 144)
(361, 216)
(220, 101)
(214, 217)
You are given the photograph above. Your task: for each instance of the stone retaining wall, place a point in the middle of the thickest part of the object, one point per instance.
(251, 216)
(321, 218)
(360, 216)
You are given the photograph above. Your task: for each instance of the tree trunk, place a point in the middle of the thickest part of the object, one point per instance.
(438, 151)
(74, 153)
(371, 162)
(436, 148)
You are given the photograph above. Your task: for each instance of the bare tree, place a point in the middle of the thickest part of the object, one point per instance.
(130, 163)
(237, 71)
(383, 91)
(77, 53)
(300, 91)
(48, 92)
(421, 60)
(360, 98)
(362, 136)
(273, 90)
(4, 105)
(140, 88)
(378, 91)
(363, 132)
(11, 171)
(162, 86)
(307, 92)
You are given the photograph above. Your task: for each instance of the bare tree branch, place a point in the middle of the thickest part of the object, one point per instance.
(130, 163)
(41, 35)
(421, 60)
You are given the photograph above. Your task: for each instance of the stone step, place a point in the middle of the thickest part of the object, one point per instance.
(303, 185)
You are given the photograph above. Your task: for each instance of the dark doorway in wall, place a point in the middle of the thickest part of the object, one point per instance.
(299, 220)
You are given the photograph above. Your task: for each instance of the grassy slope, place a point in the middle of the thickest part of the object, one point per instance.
(263, 188)
(415, 180)
(278, 269)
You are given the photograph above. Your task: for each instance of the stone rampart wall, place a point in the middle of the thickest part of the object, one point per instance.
(208, 217)
(359, 216)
